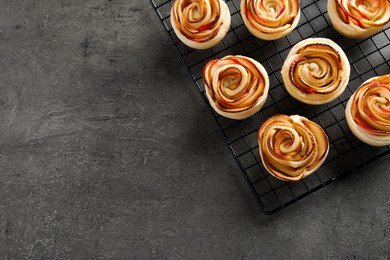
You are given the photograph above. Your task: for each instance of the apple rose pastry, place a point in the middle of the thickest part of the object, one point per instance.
(292, 147)
(359, 18)
(316, 71)
(270, 19)
(236, 86)
(368, 111)
(200, 24)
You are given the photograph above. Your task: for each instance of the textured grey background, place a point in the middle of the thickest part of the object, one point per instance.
(107, 152)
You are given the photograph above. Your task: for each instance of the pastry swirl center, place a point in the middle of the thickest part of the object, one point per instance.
(235, 83)
(371, 106)
(271, 16)
(364, 13)
(316, 68)
(197, 20)
(291, 146)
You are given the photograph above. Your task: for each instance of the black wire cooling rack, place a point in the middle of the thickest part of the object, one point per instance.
(368, 58)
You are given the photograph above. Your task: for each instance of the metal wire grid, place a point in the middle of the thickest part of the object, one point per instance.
(368, 58)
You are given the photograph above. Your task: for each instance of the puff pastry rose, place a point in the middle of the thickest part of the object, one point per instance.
(270, 19)
(359, 18)
(316, 71)
(236, 86)
(368, 111)
(292, 147)
(200, 24)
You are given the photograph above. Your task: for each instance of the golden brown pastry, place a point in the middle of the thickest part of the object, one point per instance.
(316, 71)
(270, 19)
(236, 86)
(368, 111)
(200, 24)
(359, 18)
(292, 147)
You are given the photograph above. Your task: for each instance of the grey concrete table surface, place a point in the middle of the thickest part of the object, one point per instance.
(107, 151)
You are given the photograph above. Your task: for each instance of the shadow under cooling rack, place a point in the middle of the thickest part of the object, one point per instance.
(369, 57)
